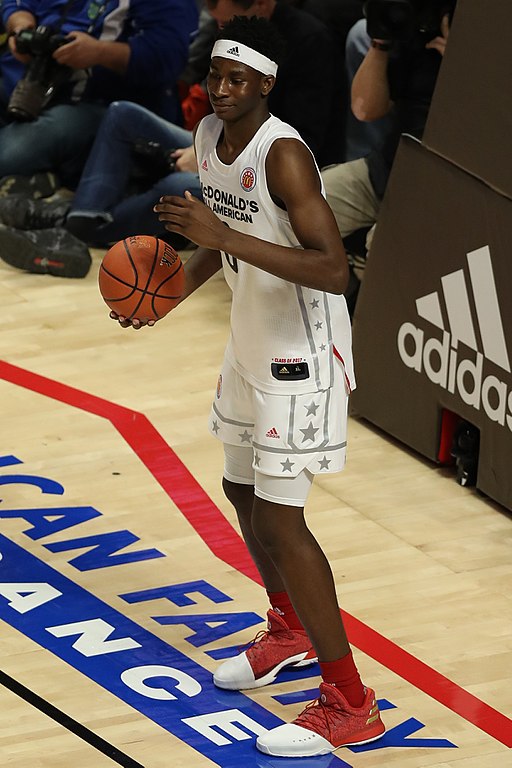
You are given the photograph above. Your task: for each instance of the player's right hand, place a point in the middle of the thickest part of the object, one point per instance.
(133, 323)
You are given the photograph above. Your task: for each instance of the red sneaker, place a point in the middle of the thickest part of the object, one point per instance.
(326, 724)
(270, 651)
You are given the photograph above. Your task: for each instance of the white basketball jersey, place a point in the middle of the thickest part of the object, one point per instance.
(283, 336)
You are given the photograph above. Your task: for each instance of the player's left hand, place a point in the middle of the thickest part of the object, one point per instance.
(439, 42)
(191, 218)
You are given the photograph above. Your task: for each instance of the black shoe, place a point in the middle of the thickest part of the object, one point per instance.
(22, 213)
(45, 251)
(88, 229)
(42, 184)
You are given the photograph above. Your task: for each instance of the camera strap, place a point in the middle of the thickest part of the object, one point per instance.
(99, 10)
(80, 77)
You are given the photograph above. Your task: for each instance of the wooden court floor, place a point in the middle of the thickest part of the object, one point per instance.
(123, 579)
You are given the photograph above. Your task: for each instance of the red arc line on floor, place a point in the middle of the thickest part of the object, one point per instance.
(225, 543)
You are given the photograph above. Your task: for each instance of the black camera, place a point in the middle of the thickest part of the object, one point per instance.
(152, 160)
(43, 75)
(403, 20)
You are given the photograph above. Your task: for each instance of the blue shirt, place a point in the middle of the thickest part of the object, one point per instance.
(158, 33)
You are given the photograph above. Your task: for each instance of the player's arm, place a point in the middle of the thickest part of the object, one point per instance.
(295, 185)
(203, 264)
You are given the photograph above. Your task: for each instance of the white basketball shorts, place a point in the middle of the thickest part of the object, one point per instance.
(283, 436)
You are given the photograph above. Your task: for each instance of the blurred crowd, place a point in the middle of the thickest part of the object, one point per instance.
(98, 102)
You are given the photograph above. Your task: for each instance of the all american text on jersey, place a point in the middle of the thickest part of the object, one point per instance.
(229, 205)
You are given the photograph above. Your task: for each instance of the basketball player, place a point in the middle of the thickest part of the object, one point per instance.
(281, 401)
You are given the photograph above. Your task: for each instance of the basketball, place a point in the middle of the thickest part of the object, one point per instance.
(141, 277)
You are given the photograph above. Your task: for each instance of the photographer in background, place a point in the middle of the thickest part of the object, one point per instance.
(107, 208)
(396, 79)
(94, 52)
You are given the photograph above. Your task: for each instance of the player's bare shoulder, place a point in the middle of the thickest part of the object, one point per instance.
(290, 164)
(288, 150)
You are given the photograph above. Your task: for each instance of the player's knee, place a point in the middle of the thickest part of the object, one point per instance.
(240, 496)
(268, 527)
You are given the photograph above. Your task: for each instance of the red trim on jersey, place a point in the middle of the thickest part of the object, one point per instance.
(347, 381)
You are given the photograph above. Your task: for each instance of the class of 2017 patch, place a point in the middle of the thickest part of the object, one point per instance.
(248, 179)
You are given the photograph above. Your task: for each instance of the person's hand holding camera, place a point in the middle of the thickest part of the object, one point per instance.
(439, 43)
(381, 45)
(16, 23)
(80, 51)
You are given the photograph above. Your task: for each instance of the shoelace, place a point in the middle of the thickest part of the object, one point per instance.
(257, 639)
(318, 714)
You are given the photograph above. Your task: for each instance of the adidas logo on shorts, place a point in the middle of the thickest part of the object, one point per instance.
(273, 433)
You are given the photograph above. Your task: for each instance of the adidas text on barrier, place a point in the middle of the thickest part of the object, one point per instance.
(441, 358)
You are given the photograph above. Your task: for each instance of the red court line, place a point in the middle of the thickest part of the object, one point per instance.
(227, 545)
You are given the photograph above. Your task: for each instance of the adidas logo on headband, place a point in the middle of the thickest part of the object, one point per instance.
(231, 49)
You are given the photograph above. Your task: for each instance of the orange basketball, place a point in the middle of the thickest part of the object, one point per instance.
(141, 277)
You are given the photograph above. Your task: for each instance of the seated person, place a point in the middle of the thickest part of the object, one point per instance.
(103, 210)
(127, 51)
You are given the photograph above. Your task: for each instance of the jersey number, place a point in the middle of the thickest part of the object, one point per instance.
(233, 263)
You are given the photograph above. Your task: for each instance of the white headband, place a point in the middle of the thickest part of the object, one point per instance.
(229, 49)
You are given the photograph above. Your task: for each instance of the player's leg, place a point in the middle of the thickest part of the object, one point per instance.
(286, 551)
(283, 535)
(232, 421)
(287, 555)
(294, 569)
(285, 642)
(242, 498)
(346, 712)
(289, 558)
